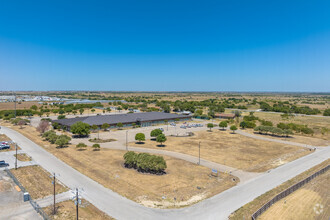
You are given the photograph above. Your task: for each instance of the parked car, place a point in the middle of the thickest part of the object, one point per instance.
(4, 146)
(182, 126)
(3, 164)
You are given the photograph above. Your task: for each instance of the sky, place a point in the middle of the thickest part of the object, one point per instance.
(172, 45)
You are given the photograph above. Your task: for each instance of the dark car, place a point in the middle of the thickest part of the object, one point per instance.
(4, 146)
(3, 164)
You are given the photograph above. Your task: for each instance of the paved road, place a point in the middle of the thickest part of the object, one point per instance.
(9, 157)
(217, 207)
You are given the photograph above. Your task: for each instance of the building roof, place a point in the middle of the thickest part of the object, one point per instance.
(121, 118)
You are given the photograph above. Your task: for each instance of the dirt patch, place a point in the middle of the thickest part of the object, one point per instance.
(233, 150)
(67, 210)
(37, 181)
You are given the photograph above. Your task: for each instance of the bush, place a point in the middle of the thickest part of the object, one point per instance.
(61, 117)
(96, 147)
(326, 112)
(62, 140)
(81, 146)
(145, 162)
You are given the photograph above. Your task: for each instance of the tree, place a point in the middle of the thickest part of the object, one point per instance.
(94, 127)
(81, 111)
(120, 125)
(161, 139)
(80, 128)
(140, 137)
(105, 126)
(43, 126)
(154, 133)
(233, 128)
(96, 147)
(108, 109)
(243, 124)
(326, 112)
(81, 146)
(62, 140)
(223, 125)
(34, 107)
(93, 110)
(210, 125)
(61, 117)
(21, 123)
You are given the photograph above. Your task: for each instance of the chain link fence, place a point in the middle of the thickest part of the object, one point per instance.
(287, 192)
(32, 202)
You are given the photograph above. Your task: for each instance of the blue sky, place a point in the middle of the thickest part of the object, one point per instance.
(165, 45)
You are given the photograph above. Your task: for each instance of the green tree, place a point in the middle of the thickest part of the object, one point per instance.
(243, 124)
(154, 133)
(81, 111)
(62, 141)
(223, 125)
(161, 139)
(140, 137)
(80, 128)
(210, 126)
(93, 110)
(94, 127)
(233, 128)
(61, 117)
(81, 146)
(120, 125)
(96, 147)
(105, 126)
(326, 112)
(34, 107)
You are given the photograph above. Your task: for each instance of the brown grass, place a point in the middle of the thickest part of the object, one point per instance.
(301, 203)
(233, 150)
(106, 167)
(37, 181)
(23, 157)
(67, 210)
(247, 210)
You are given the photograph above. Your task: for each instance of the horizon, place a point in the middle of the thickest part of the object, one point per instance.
(186, 46)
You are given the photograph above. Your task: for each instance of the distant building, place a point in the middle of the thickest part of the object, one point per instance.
(225, 115)
(143, 119)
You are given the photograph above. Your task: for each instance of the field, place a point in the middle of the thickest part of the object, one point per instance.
(187, 182)
(37, 181)
(21, 105)
(233, 150)
(309, 202)
(67, 210)
(316, 123)
(247, 210)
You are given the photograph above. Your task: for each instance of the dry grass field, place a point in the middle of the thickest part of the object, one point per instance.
(316, 123)
(19, 105)
(187, 182)
(67, 211)
(247, 210)
(312, 201)
(37, 181)
(23, 157)
(295, 138)
(233, 150)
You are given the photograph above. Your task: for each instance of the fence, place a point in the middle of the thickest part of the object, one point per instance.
(287, 192)
(33, 203)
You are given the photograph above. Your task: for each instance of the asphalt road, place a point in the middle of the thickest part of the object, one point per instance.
(217, 207)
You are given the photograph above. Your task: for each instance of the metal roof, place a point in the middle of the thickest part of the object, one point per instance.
(122, 118)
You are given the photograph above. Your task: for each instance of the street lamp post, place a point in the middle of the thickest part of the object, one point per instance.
(126, 140)
(199, 154)
(16, 156)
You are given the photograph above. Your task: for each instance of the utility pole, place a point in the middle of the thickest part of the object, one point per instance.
(15, 103)
(16, 156)
(77, 202)
(199, 154)
(54, 179)
(126, 140)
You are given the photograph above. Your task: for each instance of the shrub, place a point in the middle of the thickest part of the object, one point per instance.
(62, 140)
(81, 146)
(96, 147)
(61, 117)
(80, 128)
(145, 162)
